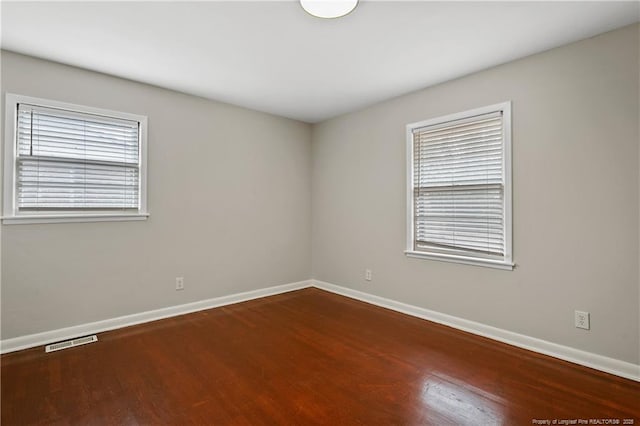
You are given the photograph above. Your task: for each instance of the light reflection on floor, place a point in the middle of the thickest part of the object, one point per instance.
(460, 404)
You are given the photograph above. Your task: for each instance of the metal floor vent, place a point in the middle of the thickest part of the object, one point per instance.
(70, 343)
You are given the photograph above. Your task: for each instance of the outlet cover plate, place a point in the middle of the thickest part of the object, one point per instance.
(582, 320)
(179, 283)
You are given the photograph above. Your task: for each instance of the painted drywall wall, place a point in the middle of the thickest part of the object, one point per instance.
(638, 123)
(575, 194)
(229, 201)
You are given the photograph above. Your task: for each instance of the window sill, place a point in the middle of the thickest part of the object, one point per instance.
(498, 264)
(67, 218)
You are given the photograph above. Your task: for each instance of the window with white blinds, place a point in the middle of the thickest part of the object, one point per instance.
(459, 187)
(75, 161)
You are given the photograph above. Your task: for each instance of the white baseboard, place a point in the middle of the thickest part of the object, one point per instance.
(577, 356)
(44, 338)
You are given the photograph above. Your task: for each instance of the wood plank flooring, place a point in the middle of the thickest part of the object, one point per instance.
(306, 357)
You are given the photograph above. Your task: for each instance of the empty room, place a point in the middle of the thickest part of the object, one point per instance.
(332, 212)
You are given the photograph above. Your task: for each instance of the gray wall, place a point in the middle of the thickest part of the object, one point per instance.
(575, 163)
(229, 201)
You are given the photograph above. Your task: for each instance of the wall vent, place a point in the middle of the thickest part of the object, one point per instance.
(70, 343)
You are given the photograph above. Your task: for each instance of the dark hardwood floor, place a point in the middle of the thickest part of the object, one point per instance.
(305, 357)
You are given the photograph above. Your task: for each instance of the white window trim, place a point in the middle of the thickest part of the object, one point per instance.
(10, 214)
(507, 263)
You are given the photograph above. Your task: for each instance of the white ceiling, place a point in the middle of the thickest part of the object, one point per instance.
(273, 57)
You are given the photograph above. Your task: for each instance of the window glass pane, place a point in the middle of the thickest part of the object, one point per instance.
(458, 187)
(69, 160)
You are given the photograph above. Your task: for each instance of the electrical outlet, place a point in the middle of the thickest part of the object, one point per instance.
(368, 274)
(582, 320)
(179, 283)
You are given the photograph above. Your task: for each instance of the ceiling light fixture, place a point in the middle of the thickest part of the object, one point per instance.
(328, 8)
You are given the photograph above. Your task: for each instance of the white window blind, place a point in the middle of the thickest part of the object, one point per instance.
(75, 161)
(459, 201)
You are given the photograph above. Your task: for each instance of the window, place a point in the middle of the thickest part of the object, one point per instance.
(68, 162)
(459, 187)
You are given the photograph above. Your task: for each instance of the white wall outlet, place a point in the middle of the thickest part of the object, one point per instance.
(368, 275)
(582, 320)
(179, 283)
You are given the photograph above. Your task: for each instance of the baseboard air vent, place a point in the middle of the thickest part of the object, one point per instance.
(70, 343)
